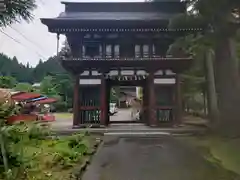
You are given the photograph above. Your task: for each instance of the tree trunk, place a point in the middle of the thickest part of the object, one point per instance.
(3, 153)
(211, 89)
(227, 84)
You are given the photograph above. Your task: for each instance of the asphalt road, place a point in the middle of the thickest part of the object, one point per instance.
(146, 158)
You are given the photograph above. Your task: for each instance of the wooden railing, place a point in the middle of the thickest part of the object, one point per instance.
(164, 115)
(129, 59)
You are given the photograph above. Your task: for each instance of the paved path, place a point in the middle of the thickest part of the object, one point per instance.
(142, 158)
(122, 115)
(63, 125)
(66, 122)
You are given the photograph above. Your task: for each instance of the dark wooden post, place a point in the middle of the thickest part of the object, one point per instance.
(76, 103)
(178, 112)
(145, 104)
(103, 94)
(76, 45)
(103, 48)
(150, 47)
(152, 100)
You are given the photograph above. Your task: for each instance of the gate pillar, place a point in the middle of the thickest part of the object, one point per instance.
(145, 117)
(103, 104)
(178, 101)
(152, 101)
(76, 101)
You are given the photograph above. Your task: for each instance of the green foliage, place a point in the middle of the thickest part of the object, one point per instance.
(47, 87)
(187, 21)
(13, 141)
(114, 95)
(7, 82)
(64, 86)
(55, 81)
(25, 87)
(31, 156)
(216, 17)
(61, 106)
(16, 11)
(59, 86)
(51, 66)
(193, 80)
(69, 151)
(11, 67)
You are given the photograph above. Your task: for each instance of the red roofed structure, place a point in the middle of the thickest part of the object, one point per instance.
(23, 96)
(46, 101)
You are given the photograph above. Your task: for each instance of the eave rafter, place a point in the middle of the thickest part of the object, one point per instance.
(154, 30)
(126, 78)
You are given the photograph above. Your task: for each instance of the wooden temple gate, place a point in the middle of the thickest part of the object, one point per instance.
(122, 43)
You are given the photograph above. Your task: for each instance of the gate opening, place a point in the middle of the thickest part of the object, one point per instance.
(125, 100)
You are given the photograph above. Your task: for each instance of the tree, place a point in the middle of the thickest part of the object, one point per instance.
(25, 87)
(7, 82)
(11, 67)
(47, 87)
(114, 94)
(220, 20)
(16, 11)
(211, 88)
(64, 86)
(52, 66)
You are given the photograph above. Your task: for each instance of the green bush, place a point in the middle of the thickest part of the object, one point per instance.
(61, 106)
(27, 154)
(70, 150)
(14, 139)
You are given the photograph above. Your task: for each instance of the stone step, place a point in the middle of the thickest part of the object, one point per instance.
(131, 134)
(132, 131)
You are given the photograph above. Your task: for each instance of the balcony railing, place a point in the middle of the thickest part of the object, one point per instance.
(127, 59)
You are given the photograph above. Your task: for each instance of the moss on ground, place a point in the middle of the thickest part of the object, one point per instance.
(225, 152)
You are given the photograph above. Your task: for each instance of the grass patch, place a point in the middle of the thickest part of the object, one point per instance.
(219, 150)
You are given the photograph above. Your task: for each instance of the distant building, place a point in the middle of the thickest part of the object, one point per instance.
(126, 93)
(36, 85)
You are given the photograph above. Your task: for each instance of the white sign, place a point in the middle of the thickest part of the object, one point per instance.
(165, 81)
(90, 81)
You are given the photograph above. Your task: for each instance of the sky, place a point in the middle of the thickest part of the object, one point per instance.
(32, 41)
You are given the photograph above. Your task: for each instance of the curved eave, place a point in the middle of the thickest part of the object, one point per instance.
(177, 65)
